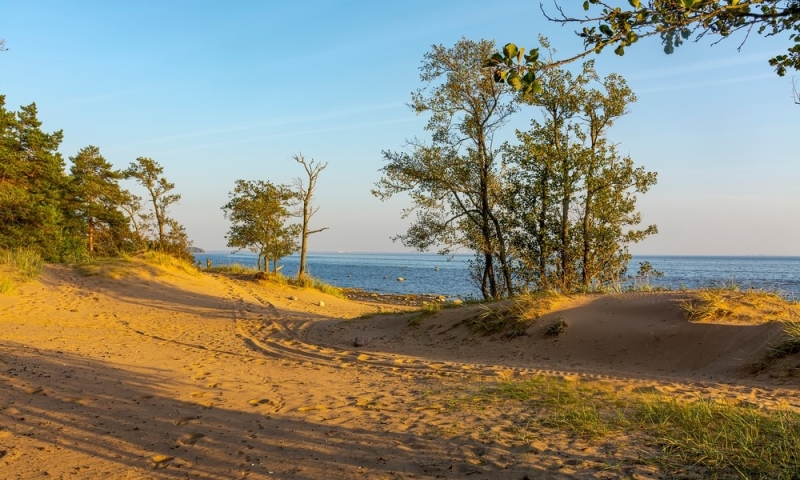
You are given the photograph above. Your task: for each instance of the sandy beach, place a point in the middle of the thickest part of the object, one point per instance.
(148, 373)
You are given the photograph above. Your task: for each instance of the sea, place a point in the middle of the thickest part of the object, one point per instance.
(429, 273)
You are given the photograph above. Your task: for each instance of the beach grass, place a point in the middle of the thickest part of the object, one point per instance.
(234, 268)
(17, 266)
(731, 304)
(515, 316)
(712, 438)
(27, 264)
(306, 281)
(150, 263)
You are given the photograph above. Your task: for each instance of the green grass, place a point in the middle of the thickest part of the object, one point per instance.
(6, 285)
(719, 439)
(18, 265)
(235, 269)
(306, 282)
(26, 263)
(728, 302)
(514, 317)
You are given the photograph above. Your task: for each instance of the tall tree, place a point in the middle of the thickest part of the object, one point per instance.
(453, 179)
(305, 191)
(32, 182)
(572, 198)
(258, 212)
(149, 174)
(96, 200)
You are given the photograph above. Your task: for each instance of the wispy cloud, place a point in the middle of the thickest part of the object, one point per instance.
(294, 133)
(707, 84)
(705, 66)
(104, 97)
(282, 121)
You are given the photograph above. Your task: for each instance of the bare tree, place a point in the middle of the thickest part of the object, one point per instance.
(306, 192)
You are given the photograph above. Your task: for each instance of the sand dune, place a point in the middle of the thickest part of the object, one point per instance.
(153, 374)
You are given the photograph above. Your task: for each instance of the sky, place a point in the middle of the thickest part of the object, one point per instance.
(220, 91)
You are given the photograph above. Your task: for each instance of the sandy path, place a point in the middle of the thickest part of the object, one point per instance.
(207, 377)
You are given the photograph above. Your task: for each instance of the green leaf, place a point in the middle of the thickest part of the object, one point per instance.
(529, 77)
(687, 3)
(537, 87)
(514, 81)
(510, 50)
(635, 3)
(607, 30)
(586, 5)
(669, 49)
(620, 51)
(532, 57)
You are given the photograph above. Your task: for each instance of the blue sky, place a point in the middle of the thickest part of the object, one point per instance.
(218, 91)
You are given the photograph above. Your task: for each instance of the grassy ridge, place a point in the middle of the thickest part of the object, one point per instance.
(713, 438)
(306, 282)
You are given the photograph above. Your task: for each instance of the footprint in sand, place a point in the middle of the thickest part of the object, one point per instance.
(190, 438)
(184, 420)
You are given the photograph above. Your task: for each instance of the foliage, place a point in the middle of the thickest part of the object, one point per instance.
(305, 192)
(674, 21)
(258, 212)
(570, 200)
(95, 198)
(453, 180)
(170, 236)
(647, 270)
(32, 181)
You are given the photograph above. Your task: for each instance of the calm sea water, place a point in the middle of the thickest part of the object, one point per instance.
(435, 274)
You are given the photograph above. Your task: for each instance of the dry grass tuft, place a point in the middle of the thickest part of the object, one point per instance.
(731, 305)
(148, 264)
(306, 282)
(18, 266)
(555, 328)
(513, 318)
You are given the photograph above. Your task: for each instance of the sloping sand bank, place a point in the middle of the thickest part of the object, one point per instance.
(170, 375)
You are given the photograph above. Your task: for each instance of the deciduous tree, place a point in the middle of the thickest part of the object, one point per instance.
(258, 212)
(452, 180)
(571, 200)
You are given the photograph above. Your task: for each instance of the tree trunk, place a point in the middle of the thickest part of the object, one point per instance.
(585, 274)
(301, 272)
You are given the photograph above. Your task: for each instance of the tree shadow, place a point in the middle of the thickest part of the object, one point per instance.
(63, 415)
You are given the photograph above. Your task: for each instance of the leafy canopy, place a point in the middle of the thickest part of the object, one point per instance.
(258, 212)
(609, 25)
